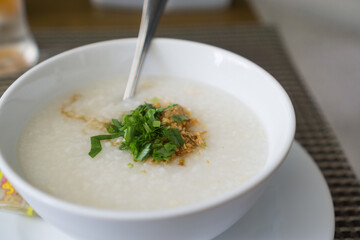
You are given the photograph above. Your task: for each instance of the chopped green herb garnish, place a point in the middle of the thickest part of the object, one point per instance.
(111, 128)
(174, 136)
(130, 165)
(144, 152)
(165, 108)
(96, 145)
(155, 100)
(143, 134)
(156, 123)
(179, 118)
(116, 123)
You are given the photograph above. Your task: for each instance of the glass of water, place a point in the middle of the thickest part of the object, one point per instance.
(18, 50)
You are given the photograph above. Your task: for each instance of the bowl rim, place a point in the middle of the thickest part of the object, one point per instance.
(92, 212)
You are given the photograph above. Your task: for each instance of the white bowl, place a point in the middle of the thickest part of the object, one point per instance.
(167, 57)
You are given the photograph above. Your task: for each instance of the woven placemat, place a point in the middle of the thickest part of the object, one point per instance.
(262, 45)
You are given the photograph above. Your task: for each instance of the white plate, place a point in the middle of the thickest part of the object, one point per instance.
(296, 205)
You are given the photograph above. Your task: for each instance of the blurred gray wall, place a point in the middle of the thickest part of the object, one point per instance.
(322, 38)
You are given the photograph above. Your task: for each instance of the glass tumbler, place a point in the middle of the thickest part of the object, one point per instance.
(18, 50)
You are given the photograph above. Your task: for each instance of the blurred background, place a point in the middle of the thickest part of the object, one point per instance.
(126, 13)
(321, 37)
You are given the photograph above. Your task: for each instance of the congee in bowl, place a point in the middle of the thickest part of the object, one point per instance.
(184, 159)
(53, 149)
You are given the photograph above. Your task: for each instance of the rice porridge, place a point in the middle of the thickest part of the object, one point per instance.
(53, 149)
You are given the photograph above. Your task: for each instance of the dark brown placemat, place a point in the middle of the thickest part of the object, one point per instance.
(262, 45)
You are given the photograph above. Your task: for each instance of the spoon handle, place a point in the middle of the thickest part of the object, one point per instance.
(151, 14)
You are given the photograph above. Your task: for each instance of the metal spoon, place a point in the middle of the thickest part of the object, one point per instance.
(151, 14)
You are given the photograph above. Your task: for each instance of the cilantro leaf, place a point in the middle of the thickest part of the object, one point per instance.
(164, 152)
(95, 143)
(111, 128)
(179, 118)
(116, 123)
(165, 108)
(174, 136)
